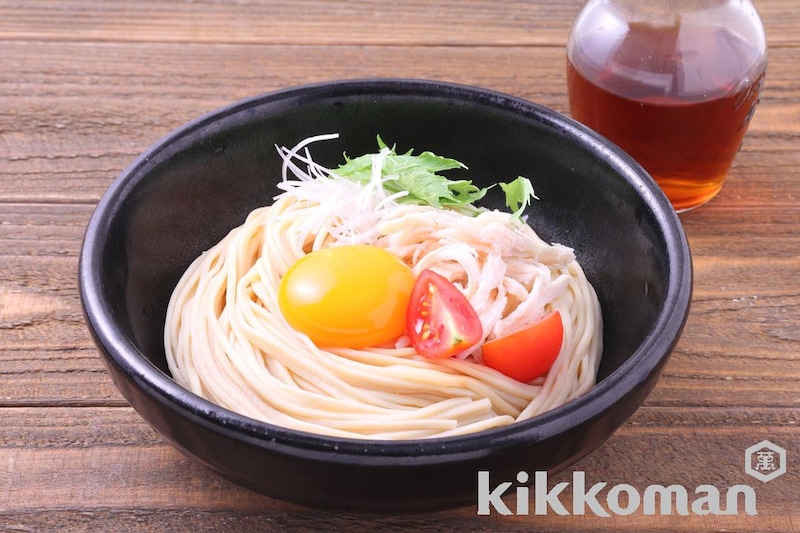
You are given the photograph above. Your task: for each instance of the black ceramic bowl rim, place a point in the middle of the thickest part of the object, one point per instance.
(639, 368)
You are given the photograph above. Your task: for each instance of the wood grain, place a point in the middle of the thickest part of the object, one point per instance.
(106, 458)
(305, 22)
(82, 124)
(86, 85)
(337, 22)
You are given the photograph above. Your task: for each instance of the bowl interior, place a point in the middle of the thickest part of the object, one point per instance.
(191, 189)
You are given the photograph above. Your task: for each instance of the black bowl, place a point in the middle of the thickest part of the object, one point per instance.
(187, 191)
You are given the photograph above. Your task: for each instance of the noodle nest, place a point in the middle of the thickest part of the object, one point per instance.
(227, 341)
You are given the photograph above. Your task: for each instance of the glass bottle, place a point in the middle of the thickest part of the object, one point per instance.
(673, 82)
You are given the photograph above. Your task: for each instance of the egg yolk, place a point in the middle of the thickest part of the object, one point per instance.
(350, 296)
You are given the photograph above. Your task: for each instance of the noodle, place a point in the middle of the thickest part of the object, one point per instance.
(226, 339)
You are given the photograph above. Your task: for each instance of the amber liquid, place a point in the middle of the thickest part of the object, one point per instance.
(687, 140)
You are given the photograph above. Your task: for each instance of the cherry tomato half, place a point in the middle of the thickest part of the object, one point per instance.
(527, 353)
(440, 321)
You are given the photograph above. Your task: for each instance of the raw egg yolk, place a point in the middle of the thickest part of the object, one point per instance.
(350, 296)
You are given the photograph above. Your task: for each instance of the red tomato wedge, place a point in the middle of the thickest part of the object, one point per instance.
(440, 321)
(527, 353)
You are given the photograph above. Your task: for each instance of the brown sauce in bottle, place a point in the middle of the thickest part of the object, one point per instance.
(681, 115)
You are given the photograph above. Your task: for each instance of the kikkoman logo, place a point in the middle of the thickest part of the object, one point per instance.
(765, 461)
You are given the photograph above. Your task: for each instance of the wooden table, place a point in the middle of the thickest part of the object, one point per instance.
(85, 86)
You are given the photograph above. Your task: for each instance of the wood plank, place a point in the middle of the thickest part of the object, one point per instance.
(411, 22)
(55, 377)
(172, 76)
(758, 232)
(43, 229)
(46, 355)
(107, 458)
(145, 520)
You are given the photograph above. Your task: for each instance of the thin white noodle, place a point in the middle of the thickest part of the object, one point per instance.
(226, 339)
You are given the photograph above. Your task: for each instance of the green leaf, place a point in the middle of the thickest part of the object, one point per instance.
(358, 170)
(418, 175)
(519, 194)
